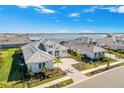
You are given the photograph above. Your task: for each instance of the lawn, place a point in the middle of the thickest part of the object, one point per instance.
(84, 66)
(7, 58)
(118, 53)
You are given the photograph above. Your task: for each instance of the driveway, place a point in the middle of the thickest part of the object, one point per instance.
(110, 79)
(70, 70)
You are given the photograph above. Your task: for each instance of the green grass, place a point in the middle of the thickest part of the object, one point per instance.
(7, 57)
(62, 84)
(84, 66)
(103, 69)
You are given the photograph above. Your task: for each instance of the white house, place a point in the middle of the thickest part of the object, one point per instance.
(86, 47)
(111, 42)
(42, 52)
(53, 47)
(13, 42)
(36, 58)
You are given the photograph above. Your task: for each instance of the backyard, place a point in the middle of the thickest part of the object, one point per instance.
(10, 71)
(9, 66)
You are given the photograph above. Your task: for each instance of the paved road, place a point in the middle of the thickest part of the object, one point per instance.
(71, 71)
(110, 79)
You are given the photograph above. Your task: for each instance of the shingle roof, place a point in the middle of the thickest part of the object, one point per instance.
(33, 54)
(52, 43)
(83, 44)
(12, 41)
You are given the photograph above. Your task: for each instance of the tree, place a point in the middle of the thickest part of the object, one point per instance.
(108, 64)
(58, 60)
(30, 72)
(79, 55)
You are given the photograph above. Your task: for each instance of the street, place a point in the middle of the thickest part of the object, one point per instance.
(111, 79)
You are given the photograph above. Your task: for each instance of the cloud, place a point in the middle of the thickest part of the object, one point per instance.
(44, 10)
(63, 7)
(117, 9)
(38, 8)
(74, 15)
(22, 6)
(89, 20)
(91, 9)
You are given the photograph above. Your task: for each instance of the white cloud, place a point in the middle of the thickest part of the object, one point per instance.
(45, 10)
(117, 9)
(91, 9)
(38, 8)
(89, 20)
(63, 7)
(22, 6)
(74, 15)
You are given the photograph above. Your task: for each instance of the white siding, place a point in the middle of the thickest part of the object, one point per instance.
(35, 66)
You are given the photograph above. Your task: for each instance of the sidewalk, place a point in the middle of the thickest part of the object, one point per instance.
(53, 82)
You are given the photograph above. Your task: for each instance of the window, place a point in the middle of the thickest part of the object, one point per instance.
(64, 51)
(50, 46)
(50, 52)
(39, 65)
(95, 54)
(56, 53)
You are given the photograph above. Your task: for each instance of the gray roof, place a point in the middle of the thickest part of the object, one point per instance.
(79, 41)
(83, 44)
(15, 40)
(110, 41)
(33, 54)
(52, 43)
(89, 48)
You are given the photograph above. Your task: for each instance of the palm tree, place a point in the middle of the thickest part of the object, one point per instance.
(58, 60)
(108, 64)
(79, 55)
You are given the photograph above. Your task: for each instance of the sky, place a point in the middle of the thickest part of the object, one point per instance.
(61, 19)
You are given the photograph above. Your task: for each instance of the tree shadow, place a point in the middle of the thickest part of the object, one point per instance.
(15, 72)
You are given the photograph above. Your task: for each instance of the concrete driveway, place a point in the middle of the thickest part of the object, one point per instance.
(70, 70)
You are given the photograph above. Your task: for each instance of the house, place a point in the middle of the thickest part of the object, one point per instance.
(36, 58)
(89, 49)
(14, 42)
(53, 47)
(111, 42)
(42, 52)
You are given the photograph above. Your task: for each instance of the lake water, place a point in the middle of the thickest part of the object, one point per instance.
(65, 36)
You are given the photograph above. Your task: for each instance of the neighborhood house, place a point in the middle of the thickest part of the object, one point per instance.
(13, 42)
(111, 42)
(42, 53)
(85, 46)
